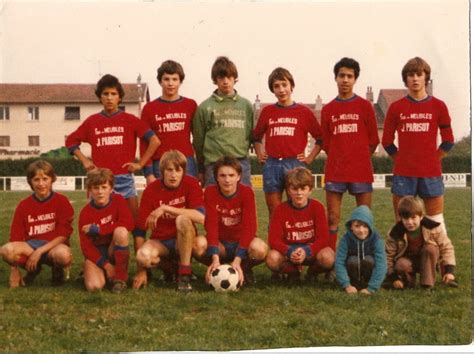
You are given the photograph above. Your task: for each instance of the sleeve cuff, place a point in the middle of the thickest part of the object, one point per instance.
(148, 134)
(139, 233)
(94, 230)
(212, 250)
(242, 253)
(147, 170)
(319, 142)
(391, 149)
(446, 146)
(101, 262)
(72, 149)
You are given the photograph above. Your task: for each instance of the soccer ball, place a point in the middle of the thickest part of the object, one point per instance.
(224, 279)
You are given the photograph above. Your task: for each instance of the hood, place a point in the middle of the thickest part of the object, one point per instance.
(362, 213)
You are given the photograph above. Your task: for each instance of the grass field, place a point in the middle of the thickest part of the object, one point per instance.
(266, 315)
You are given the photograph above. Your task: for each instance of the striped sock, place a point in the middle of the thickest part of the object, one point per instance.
(333, 238)
(121, 255)
(21, 262)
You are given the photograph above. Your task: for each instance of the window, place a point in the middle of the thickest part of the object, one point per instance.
(72, 113)
(4, 113)
(4, 140)
(33, 114)
(33, 140)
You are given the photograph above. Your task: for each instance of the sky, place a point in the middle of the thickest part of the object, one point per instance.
(76, 42)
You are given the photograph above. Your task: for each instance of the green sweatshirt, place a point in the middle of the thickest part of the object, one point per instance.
(222, 126)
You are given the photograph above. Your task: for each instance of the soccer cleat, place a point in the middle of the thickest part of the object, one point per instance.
(118, 286)
(30, 276)
(330, 276)
(57, 275)
(249, 279)
(184, 284)
(452, 284)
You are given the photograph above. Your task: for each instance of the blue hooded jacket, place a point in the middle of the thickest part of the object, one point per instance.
(373, 246)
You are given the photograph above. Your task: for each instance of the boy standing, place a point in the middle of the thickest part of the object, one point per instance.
(223, 124)
(415, 245)
(40, 229)
(170, 206)
(104, 224)
(231, 223)
(416, 119)
(170, 117)
(113, 135)
(349, 138)
(361, 264)
(285, 126)
(298, 233)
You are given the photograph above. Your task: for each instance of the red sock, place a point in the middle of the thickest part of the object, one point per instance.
(21, 262)
(185, 269)
(121, 255)
(332, 239)
(289, 268)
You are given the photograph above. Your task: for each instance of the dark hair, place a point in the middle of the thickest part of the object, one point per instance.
(109, 81)
(99, 176)
(280, 74)
(410, 206)
(170, 67)
(39, 165)
(299, 177)
(223, 67)
(416, 65)
(347, 63)
(226, 161)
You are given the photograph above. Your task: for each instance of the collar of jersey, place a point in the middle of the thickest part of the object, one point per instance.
(411, 99)
(180, 98)
(290, 203)
(347, 99)
(43, 200)
(222, 98)
(94, 205)
(104, 113)
(283, 107)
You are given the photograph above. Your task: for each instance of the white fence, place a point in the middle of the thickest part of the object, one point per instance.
(71, 183)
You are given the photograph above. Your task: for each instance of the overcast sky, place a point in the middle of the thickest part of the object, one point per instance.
(65, 42)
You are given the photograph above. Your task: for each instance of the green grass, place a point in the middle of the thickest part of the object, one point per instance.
(41, 318)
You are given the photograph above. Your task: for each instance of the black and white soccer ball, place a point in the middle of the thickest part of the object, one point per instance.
(224, 279)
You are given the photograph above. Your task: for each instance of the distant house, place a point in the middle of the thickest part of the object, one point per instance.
(385, 99)
(36, 118)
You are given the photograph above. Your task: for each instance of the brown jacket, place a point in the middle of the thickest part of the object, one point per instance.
(433, 233)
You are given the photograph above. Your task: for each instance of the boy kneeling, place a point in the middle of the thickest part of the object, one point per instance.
(298, 232)
(415, 245)
(104, 225)
(231, 223)
(361, 264)
(40, 229)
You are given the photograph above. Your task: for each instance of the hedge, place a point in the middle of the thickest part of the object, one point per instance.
(72, 167)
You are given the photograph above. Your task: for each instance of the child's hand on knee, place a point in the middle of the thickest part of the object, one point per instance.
(351, 289)
(398, 284)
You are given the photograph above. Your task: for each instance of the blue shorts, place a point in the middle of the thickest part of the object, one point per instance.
(170, 244)
(104, 252)
(125, 185)
(274, 172)
(230, 250)
(35, 244)
(191, 167)
(425, 187)
(353, 188)
(245, 178)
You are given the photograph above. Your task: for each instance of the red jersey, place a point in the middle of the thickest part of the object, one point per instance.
(417, 124)
(47, 219)
(188, 195)
(230, 219)
(115, 214)
(113, 139)
(349, 129)
(286, 129)
(305, 226)
(171, 121)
